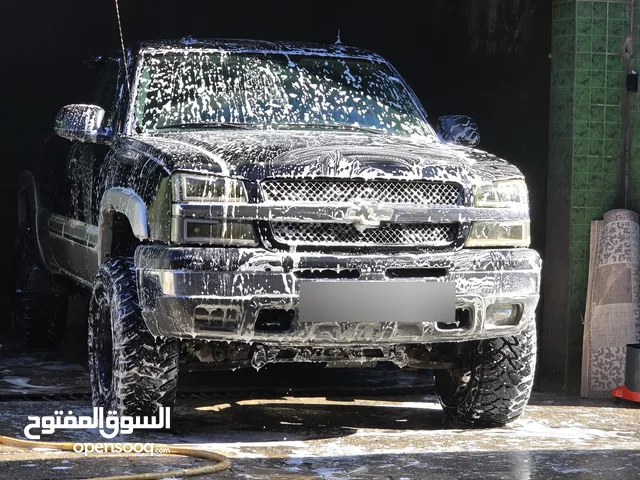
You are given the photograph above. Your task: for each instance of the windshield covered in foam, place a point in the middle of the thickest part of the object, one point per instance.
(202, 89)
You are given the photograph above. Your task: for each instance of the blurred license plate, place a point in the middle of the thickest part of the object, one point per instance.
(373, 302)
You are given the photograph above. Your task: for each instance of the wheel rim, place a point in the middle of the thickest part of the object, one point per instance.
(459, 383)
(103, 345)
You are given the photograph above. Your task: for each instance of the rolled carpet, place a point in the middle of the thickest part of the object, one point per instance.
(612, 316)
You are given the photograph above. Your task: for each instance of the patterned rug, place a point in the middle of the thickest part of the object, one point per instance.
(612, 317)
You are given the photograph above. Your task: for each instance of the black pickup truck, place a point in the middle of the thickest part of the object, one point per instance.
(241, 203)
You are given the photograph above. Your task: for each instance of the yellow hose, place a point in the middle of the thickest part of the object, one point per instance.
(222, 462)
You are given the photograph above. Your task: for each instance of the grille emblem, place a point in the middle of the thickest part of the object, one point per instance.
(368, 215)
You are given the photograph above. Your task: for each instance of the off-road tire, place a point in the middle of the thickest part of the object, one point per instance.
(131, 371)
(39, 300)
(495, 385)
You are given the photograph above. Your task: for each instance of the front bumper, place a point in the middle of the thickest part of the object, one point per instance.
(219, 293)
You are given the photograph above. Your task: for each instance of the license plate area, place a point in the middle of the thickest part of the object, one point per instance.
(377, 302)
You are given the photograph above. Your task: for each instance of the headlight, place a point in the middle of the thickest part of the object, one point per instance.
(188, 187)
(201, 188)
(499, 234)
(502, 194)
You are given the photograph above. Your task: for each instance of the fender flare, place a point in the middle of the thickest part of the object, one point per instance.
(27, 183)
(128, 203)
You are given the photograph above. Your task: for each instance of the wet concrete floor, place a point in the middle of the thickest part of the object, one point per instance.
(304, 422)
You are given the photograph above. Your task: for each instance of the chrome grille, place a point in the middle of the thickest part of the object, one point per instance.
(344, 234)
(382, 191)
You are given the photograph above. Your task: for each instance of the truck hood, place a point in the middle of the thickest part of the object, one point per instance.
(256, 155)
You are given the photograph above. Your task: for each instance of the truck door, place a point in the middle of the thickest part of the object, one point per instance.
(74, 235)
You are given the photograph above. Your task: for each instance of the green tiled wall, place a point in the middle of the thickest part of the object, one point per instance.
(634, 166)
(587, 89)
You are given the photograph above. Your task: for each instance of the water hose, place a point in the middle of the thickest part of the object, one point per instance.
(221, 462)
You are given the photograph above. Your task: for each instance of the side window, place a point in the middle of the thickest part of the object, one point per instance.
(107, 95)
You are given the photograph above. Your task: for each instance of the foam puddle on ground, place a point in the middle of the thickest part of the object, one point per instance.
(24, 383)
(537, 430)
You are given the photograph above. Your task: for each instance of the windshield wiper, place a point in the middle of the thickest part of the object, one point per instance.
(206, 125)
(331, 126)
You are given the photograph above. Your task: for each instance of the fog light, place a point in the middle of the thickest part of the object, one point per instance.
(213, 232)
(217, 319)
(503, 314)
(499, 234)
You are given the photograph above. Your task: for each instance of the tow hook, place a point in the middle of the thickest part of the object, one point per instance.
(400, 357)
(261, 356)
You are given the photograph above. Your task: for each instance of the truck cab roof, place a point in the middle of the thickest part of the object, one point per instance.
(258, 46)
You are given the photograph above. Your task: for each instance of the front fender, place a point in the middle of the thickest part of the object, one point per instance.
(128, 203)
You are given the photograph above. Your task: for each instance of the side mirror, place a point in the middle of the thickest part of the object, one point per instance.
(79, 122)
(458, 129)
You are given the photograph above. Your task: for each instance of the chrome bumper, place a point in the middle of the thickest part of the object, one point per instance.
(219, 293)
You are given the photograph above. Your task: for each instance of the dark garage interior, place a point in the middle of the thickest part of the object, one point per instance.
(460, 57)
(550, 84)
